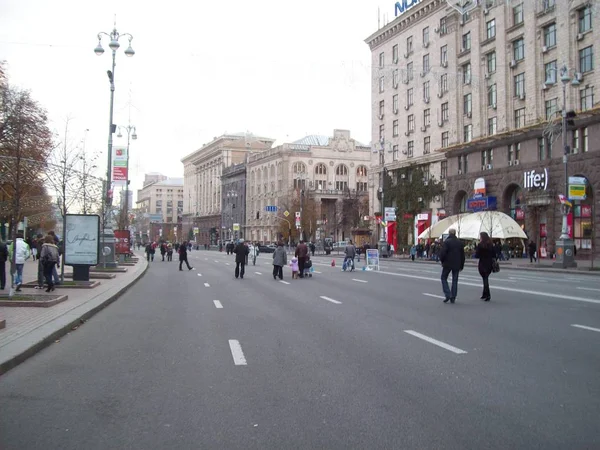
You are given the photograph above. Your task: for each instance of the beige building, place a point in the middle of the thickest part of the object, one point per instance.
(202, 171)
(323, 175)
(160, 207)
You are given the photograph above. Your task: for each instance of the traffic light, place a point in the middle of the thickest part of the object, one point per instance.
(570, 118)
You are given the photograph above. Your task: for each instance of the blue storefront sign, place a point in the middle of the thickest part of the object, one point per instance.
(403, 5)
(477, 204)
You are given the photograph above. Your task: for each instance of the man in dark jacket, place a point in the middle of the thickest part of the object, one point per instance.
(452, 257)
(301, 254)
(241, 253)
(3, 259)
(183, 249)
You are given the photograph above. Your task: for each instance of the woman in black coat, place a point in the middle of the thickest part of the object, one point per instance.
(486, 254)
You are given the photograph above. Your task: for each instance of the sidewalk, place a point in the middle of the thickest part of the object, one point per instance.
(30, 329)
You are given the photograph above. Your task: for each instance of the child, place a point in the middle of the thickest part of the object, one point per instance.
(307, 267)
(294, 266)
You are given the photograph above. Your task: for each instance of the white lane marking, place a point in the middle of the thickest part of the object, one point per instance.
(199, 274)
(583, 327)
(218, 304)
(236, 351)
(331, 300)
(360, 281)
(258, 273)
(456, 350)
(205, 259)
(284, 282)
(588, 289)
(434, 295)
(206, 285)
(227, 264)
(216, 261)
(499, 288)
(316, 271)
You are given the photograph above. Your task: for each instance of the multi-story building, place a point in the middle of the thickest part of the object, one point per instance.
(233, 202)
(202, 170)
(324, 175)
(160, 208)
(498, 107)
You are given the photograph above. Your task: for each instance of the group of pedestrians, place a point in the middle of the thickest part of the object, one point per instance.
(452, 257)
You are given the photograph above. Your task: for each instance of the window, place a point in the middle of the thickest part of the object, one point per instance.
(409, 45)
(426, 63)
(159, 203)
(445, 115)
(463, 166)
(361, 171)
(444, 170)
(444, 55)
(443, 26)
(584, 140)
(409, 71)
(426, 145)
(381, 132)
(381, 83)
(321, 169)
(409, 97)
(550, 72)
(518, 14)
(395, 103)
(426, 91)
(341, 170)
(491, 62)
(492, 126)
(519, 49)
(361, 186)
(548, 4)
(426, 35)
(487, 158)
(467, 104)
(551, 108)
(466, 42)
(586, 59)
(492, 95)
(395, 128)
(395, 53)
(468, 133)
(466, 73)
(411, 122)
(491, 29)
(444, 83)
(381, 157)
(395, 153)
(544, 148)
(519, 84)
(575, 146)
(381, 60)
(299, 167)
(550, 35)
(411, 148)
(513, 152)
(341, 185)
(520, 118)
(585, 19)
(395, 77)
(427, 117)
(586, 96)
(381, 107)
(445, 139)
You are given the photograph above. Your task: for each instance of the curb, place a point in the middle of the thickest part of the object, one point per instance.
(45, 342)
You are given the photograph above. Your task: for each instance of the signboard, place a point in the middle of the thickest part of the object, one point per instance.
(271, 208)
(196, 230)
(563, 200)
(372, 259)
(535, 180)
(155, 217)
(403, 5)
(119, 165)
(481, 203)
(479, 188)
(422, 217)
(286, 213)
(82, 239)
(236, 227)
(577, 187)
(519, 214)
(122, 242)
(586, 211)
(389, 214)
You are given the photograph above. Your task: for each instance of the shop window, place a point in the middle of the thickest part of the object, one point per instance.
(515, 203)
(582, 220)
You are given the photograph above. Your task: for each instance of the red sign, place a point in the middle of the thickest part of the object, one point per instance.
(586, 210)
(119, 174)
(122, 242)
(407, 216)
(543, 231)
(520, 214)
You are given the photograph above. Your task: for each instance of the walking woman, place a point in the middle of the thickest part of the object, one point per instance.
(183, 256)
(49, 257)
(279, 260)
(486, 254)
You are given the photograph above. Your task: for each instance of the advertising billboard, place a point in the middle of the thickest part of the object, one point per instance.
(82, 239)
(122, 242)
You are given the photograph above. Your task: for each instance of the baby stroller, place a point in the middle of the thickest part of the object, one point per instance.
(308, 268)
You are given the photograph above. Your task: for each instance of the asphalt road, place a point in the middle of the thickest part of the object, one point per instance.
(199, 360)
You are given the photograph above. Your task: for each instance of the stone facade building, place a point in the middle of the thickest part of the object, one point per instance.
(233, 201)
(202, 170)
(317, 173)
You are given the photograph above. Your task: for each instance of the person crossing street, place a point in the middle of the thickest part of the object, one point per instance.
(452, 257)
(241, 251)
(183, 249)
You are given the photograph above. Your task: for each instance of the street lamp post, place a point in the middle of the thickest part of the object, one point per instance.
(232, 194)
(131, 132)
(114, 45)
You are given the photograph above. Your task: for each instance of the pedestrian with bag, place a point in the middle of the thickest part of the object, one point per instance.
(279, 260)
(452, 257)
(49, 258)
(183, 249)
(21, 251)
(487, 262)
(301, 254)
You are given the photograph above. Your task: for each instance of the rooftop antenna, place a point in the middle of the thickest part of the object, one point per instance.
(378, 18)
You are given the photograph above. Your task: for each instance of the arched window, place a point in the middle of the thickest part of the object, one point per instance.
(341, 170)
(361, 171)
(320, 169)
(299, 167)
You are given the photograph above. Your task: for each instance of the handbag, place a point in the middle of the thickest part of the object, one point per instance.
(495, 266)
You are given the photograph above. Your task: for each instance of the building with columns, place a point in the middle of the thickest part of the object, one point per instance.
(202, 170)
(233, 201)
(326, 176)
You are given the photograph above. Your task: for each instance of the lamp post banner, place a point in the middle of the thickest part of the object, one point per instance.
(119, 165)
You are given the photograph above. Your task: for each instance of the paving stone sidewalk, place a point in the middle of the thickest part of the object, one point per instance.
(30, 329)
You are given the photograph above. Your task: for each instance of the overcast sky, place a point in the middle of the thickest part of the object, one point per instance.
(276, 68)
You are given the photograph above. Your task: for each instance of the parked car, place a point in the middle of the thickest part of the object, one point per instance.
(266, 248)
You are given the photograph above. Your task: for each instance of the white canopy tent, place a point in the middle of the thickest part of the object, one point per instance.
(437, 229)
(495, 223)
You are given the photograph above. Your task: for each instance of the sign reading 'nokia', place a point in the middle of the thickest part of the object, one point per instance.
(534, 180)
(403, 5)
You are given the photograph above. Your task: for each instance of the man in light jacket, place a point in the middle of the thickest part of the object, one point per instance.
(22, 254)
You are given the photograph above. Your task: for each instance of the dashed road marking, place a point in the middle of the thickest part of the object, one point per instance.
(359, 281)
(258, 273)
(206, 285)
(331, 300)
(199, 274)
(236, 351)
(434, 295)
(218, 304)
(448, 347)
(284, 282)
(583, 327)
(588, 289)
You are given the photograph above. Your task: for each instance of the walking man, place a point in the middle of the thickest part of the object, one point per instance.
(241, 253)
(301, 254)
(532, 251)
(183, 249)
(452, 257)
